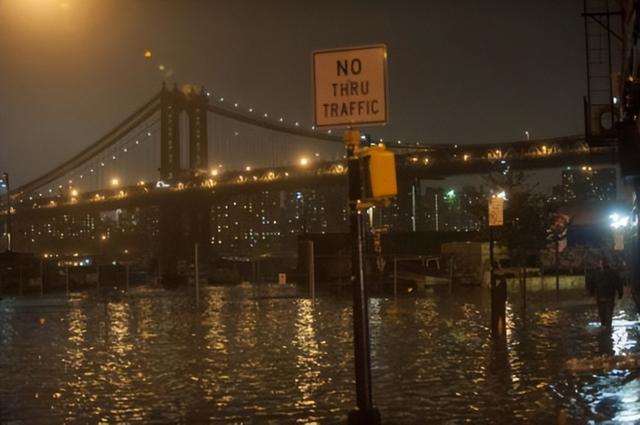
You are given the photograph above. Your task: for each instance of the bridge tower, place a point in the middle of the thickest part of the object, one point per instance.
(196, 107)
(172, 104)
(170, 101)
(187, 221)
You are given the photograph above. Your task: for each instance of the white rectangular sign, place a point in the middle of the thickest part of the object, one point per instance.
(350, 86)
(618, 242)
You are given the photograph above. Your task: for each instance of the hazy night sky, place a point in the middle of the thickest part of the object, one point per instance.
(460, 71)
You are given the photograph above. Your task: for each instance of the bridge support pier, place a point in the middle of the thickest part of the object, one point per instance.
(181, 226)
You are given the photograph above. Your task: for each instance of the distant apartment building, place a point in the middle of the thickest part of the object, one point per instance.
(588, 184)
(270, 221)
(423, 208)
(459, 210)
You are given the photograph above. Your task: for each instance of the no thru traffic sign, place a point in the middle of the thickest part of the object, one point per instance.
(350, 86)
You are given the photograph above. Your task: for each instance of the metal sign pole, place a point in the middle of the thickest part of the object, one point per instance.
(497, 302)
(498, 293)
(366, 413)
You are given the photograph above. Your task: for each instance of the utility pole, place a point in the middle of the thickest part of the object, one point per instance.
(5, 177)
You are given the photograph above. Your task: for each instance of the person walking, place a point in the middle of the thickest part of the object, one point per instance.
(604, 284)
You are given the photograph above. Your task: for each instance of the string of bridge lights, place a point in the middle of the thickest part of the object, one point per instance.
(144, 134)
(282, 120)
(492, 154)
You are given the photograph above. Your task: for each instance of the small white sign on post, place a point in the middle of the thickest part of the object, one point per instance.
(496, 211)
(350, 86)
(618, 242)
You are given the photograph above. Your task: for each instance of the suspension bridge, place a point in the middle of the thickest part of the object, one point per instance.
(184, 152)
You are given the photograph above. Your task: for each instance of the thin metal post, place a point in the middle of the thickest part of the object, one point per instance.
(20, 277)
(524, 288)
(366, 413)
(413, 206)
(128, 274)
(584, 264)
(21, 281)
(491, 279)
(66, 278)
(435, 196)
(495, 325)
(451, 274)
(41, 277)
(557, 268)
(98, 279)
(197, 275)
(395, 276)
(311, 270)
(5, 177)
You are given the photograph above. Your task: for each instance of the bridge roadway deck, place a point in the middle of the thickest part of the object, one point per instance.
(298, 179)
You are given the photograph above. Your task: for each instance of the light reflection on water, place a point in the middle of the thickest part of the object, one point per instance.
(246, 357)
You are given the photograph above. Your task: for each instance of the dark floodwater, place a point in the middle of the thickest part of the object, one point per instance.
(245, 358)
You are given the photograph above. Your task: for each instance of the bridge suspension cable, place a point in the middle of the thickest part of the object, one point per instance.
(113, 136)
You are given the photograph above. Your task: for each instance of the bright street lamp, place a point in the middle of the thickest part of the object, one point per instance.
(619, 220)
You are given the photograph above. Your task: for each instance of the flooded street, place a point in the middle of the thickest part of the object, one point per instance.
(248, 356)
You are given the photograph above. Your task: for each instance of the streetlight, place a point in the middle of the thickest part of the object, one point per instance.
(527, 135)
(115, 182)
(618, 220)
(620, 223)
(304, 161)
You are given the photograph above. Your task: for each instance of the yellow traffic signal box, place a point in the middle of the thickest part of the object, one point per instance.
(379, 172)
